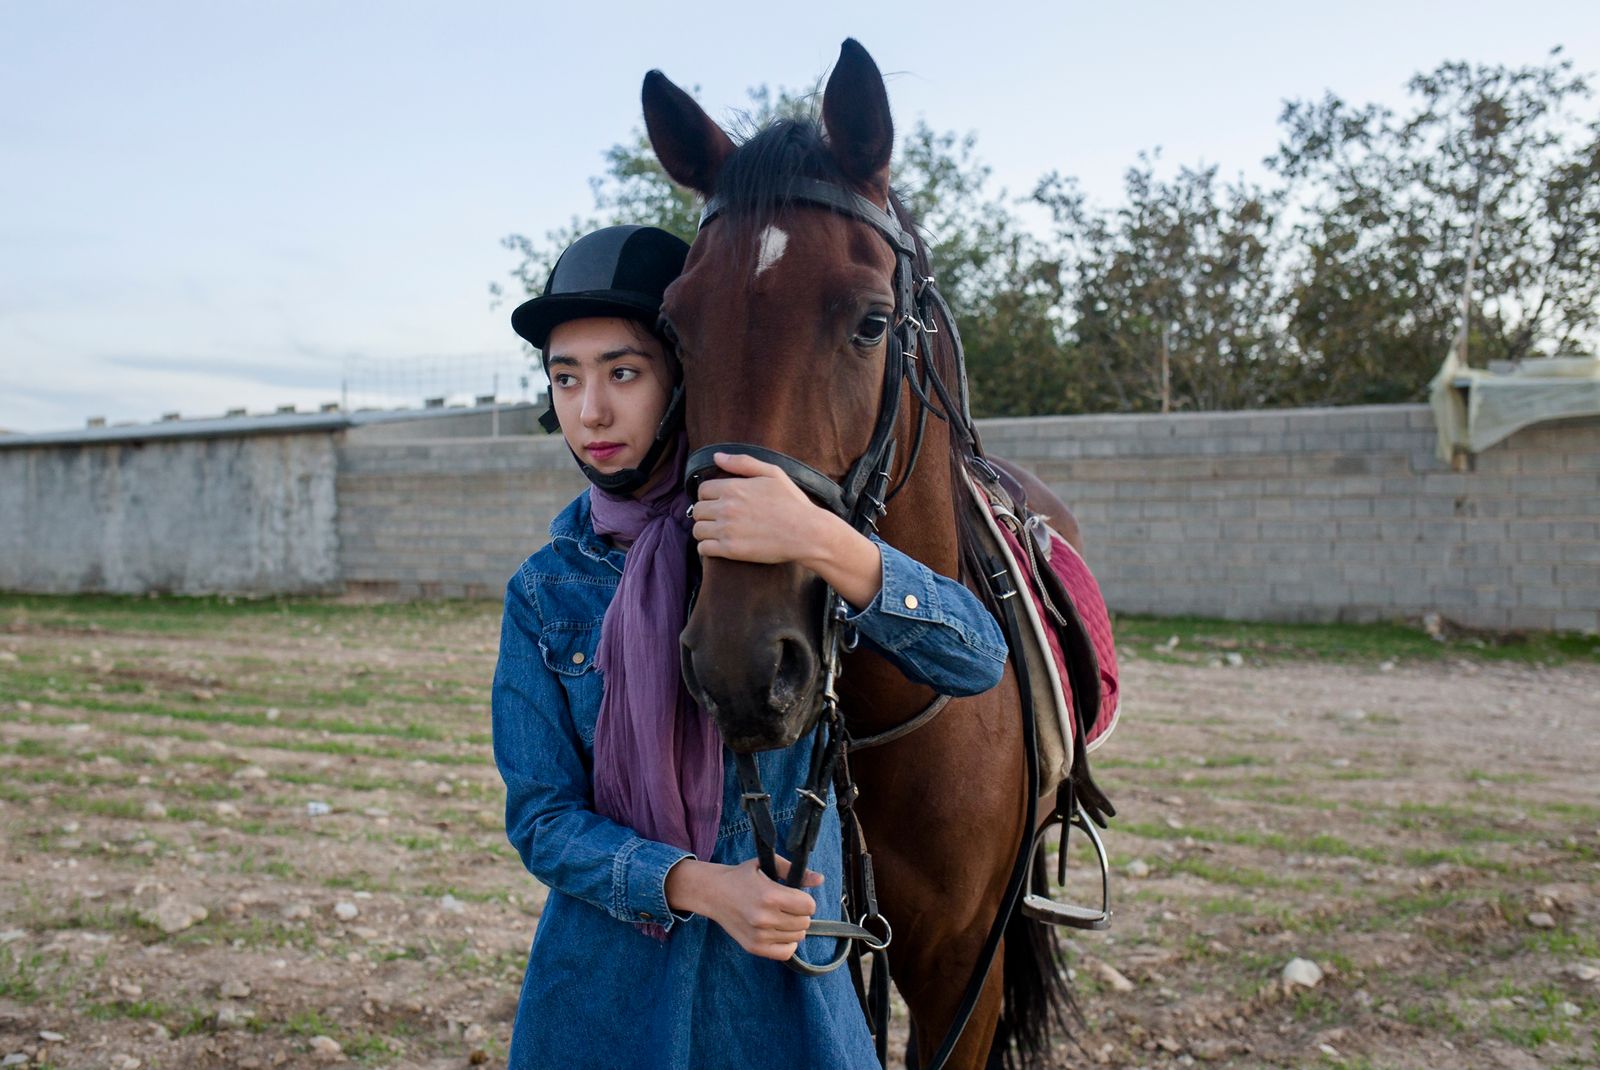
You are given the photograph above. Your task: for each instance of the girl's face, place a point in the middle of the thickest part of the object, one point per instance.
(610, 384)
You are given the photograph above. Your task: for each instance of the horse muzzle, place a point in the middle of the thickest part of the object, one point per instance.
(760, 681)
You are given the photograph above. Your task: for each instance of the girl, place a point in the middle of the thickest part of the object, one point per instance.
(660, 942)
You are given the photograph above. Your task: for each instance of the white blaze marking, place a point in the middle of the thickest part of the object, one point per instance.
(773, 243)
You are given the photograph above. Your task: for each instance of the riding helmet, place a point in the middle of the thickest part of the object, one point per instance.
(616, 271)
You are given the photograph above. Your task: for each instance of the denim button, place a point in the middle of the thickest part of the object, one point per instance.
(911, 601)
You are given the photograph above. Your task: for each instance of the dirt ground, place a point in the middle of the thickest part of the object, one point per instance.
(263, 836)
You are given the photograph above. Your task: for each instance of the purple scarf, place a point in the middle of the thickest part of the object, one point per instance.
(657, 756)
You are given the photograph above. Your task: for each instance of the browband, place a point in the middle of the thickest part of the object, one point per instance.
(844, 201)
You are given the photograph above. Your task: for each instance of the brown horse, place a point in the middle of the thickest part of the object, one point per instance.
(779, 317)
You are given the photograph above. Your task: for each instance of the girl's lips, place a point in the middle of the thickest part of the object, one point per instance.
(602, 451)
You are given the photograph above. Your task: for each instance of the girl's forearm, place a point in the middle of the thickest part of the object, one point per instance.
(847, 561)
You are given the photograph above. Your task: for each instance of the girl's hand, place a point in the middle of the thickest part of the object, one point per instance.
(765, 918)
(762, 517)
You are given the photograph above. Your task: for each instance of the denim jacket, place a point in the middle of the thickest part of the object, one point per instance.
(598, 991)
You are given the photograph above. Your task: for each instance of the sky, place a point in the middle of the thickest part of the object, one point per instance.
(207, 206)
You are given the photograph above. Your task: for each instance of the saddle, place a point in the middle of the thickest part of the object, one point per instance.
(1068, 652)
(1070, 659)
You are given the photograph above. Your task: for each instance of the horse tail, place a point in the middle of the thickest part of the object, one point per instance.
(1038, 996)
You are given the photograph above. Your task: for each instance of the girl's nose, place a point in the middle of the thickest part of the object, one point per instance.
(596, 412)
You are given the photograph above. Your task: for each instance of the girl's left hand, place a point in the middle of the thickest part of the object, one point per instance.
(760, 516)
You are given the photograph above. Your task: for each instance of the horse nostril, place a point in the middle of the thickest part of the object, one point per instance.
(797, 666)
(690, 681)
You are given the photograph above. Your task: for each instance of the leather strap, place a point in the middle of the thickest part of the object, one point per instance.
(905, 728)
(1004, 593)
(846, 202)
(702, 465)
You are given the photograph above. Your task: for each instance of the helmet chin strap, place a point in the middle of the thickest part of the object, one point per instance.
(629, 480)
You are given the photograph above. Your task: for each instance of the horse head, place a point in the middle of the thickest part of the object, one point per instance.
(782, 319)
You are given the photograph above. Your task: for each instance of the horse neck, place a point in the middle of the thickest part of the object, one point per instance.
(920, 522)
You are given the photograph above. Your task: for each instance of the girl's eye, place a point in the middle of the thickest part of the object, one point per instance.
(625, 375)
(872, 328)
(563, 380)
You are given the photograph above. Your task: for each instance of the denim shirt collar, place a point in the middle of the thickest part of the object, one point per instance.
(574, 525)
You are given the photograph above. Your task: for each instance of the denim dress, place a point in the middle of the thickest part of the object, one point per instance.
(599, 993)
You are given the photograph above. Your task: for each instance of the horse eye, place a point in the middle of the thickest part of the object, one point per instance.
(873, 326)
(666, 330)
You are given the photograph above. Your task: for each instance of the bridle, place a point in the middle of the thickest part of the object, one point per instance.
(861, 498)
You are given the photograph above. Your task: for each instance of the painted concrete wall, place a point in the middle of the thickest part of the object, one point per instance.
(191, 516)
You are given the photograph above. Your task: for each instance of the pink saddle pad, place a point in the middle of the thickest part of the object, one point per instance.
(1084, 590)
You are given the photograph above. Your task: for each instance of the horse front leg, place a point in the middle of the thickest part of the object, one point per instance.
(933, 1007)
(943, 813)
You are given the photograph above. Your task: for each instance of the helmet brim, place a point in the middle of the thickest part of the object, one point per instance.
(535, 319)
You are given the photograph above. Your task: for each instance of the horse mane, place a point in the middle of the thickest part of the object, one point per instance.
(755, 185)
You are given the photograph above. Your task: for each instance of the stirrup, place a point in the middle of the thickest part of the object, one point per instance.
(1043, 908)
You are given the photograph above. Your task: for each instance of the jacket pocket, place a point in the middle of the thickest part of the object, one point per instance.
(569, 652)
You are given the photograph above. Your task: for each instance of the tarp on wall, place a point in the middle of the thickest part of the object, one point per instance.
(1473, 409)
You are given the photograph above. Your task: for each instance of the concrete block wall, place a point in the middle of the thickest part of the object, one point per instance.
(447, 518)
(1295, 515)
(189, 516)
(1326, 514)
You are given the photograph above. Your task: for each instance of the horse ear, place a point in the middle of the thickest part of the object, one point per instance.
(690, 145)
(855, 112)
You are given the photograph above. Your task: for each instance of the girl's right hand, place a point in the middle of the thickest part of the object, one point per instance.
(765, 918)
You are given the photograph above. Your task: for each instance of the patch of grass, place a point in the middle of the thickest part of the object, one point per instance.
(1431, 1017)
(291, 744)
(209, 614)
(1114, 762)
(367, 1047)
(137, 1010)
(1319, 844)
(1563, 943)
(1531, 1033)
(1476, 775)
(310, 1023)
(19, 975)
(1227, 761)
(1243, 876)
(1318, 1008)
(1199, 639)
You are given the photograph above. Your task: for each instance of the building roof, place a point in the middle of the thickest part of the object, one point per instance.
(275, 423)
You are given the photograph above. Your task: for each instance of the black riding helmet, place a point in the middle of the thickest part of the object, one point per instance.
(618, 271)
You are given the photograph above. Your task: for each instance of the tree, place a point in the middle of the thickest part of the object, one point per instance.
(1173, 299)
(1000, 282)
(1388, 204)
(634, 189)
(994, 276)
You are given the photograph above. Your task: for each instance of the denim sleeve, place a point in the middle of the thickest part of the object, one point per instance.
(932, 628)
(550, 818)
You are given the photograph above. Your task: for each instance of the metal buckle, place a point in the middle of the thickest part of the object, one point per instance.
(810, 796)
